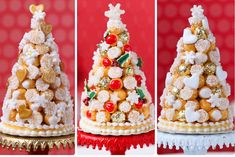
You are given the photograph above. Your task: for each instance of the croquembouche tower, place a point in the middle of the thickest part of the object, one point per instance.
(38, 101)
(195, 98)
(115, 100)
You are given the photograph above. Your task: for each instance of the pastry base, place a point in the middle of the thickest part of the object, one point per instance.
(195, 128)
(116, 129)
(24, 131)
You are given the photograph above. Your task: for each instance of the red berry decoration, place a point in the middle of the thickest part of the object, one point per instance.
(138, 78)
(88, 114)
(115, 84)
(127, 48)
(86, 101)
(111, 39)
(139, 105)
(106, 62)
(109, 106)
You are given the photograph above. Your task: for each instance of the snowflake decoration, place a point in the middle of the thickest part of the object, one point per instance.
(114, 12)
(104, 46)
(189, 57)
(197, 11)
(214, 100)
(114, 97)
(133, 97)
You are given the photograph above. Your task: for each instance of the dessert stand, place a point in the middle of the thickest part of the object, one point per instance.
(36, 145)
(195, 144)
(117, 145)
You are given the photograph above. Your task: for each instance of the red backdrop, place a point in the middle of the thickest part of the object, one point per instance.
(15, 21)
(139, 18)
(172, 18)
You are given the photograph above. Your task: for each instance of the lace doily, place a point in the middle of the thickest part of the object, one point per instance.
(195, 144)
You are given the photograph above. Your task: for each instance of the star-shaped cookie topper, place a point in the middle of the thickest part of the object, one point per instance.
(114, 12)
(36, 8)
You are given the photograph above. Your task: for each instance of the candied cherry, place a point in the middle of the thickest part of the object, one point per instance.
(138, 78)
(106, 62)
(111, 39)
(109, 106)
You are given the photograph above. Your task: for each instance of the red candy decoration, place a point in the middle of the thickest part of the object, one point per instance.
(88, 114)
(106, 62)
(115, 84)
(109, 106)
(139, 105)
(127, 48)
(111, 39)
(138, 78)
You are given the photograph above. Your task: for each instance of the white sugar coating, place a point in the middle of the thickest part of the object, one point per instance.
(48, 94)
(191, 104)
(200, 58)
(205, 92)
(96, 105)
(133, 116)
(60, 94)
(50, 108)
(202, 45)
(115, 72)
(179, 82)
(36, 118)
(24, 41)
(36, 37)
(186, 93)
(163, 114)
(226, 88)
(130, 82)
(180, 45)
(203, 116)
(125, 106)
(26, 84)
(177, 105)
(114, 97)
(65, 80)
(101, 116)
(46, 61)
(103, 47)
(216, 115)
(53, 120)
(215, 56)
(170, 99)
(33, 72)
(191, 115)
(13, 82)
(223, 103)
(133, 97)
(193, 81)
(103, 96)
(16, 94)
(168, 79)
(114, 52)
(169, 114)
(34, 106)
(57, 83)
(30, 95)
(41, 85)
(196, 69)
(221, 74)
(99, 72)
(189, 57)
(147, 94)
(134, 57)
(28, 47)
(15, 68)
(212, 80)
(188, 37)
(93, 80)
(214, 100)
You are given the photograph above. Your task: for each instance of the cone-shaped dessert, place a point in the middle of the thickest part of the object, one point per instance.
(115, 100)
(38, 101)
(195, 99)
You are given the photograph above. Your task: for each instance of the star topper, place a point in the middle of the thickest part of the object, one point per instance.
(114, 11)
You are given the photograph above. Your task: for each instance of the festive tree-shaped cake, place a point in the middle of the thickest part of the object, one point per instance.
(115, 100)
(195, 98)
(38, 101)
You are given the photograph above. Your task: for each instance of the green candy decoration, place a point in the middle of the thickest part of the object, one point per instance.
(121, 60)
(140, 93)
(140, 62)
(91, 94)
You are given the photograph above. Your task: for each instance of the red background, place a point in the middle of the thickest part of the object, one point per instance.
(172, 18)
(139, 18)
(15, 21)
